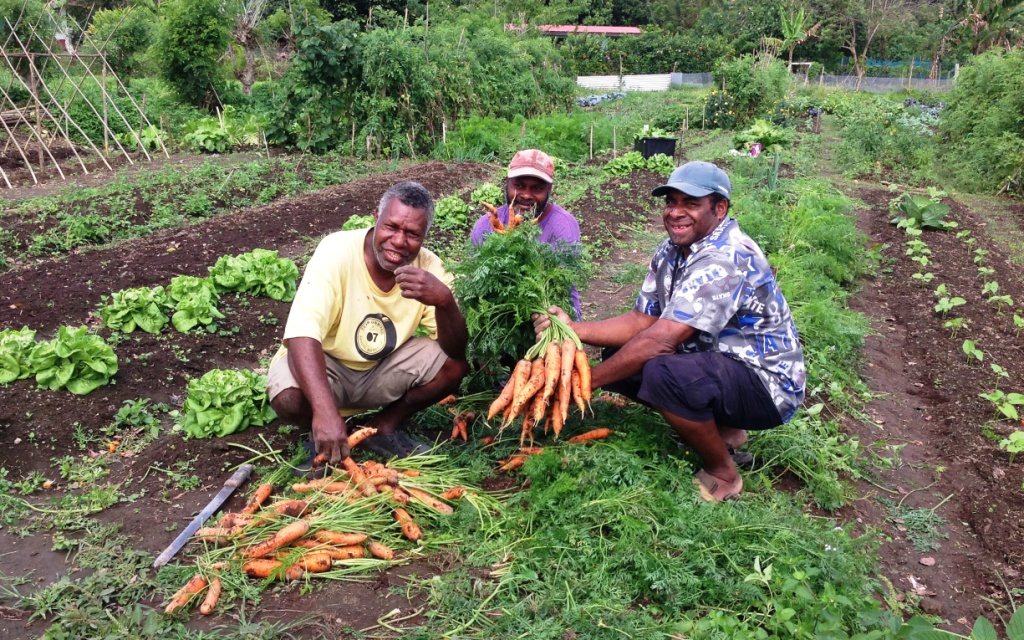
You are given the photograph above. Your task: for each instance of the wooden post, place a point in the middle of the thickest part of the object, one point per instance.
(444, 130)
(591, 140)
(106, 126)
(615, 144)
(39, 110)
(353, 137)
(686, 120)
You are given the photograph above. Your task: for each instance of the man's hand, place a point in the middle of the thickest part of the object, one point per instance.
(541, 321)
(330, 436)
(422, 286)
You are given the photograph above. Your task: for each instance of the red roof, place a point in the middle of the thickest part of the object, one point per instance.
(566, 29)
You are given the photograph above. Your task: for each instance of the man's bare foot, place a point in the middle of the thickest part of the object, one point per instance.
(734, 438)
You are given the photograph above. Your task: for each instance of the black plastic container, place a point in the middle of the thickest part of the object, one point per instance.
(653, 146)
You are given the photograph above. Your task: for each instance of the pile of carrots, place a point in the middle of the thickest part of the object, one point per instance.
(289, 539)
(553, 373)
(514, 219)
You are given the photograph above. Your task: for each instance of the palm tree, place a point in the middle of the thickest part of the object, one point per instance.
(794, 29)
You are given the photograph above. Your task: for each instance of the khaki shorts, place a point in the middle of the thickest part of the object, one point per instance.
(413, 364)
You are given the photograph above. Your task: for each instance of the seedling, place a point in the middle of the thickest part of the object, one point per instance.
(924, 278)
(985, 272)
(941, 290)
(963, 235)
(1000, 301)
(1005, 403)
(947, 304)
(990, 288)
(921, 260)
(979, 255)
(1013, 444)
(1018, 324)
(972, 351)
(955, 325)
(1000, 373)
(917, 247)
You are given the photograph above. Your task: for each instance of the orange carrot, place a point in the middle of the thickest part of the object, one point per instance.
(425, 498)
(358, 477)
(513, 463)
(595, 434)
(552, 367)
(411, 473)
(294, 573)
(454, 493)
(504, 399)
(314, 561)
(262, 568)
(289, 533)
(524, 393)
(397, 494)
(212, 596)
(320, 460)
(458, 424)
(340, 539)
(338, 487)
(348, 552)
(381, 551)
(577, 393)
(531, 451)
(557, 421)
(583, 366)
(360, 435)
(565, 380)
(216, 535)
(291, 508)
(258, 498)
(195, 584)
(313, 485)
(409, 528)
(450, 399)
(537, 408)
(486, 441)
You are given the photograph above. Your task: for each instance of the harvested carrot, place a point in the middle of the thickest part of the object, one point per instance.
(513, 463)
(379, 481)
(339, 539)
(422, 496)
(348, 552)
(294, 573)
(537, 408)
(289, 533)
(552, 367)
(525, 392)
(557, 421)
(454, 493)
(577, 393)
(320, 460)
(218, 566)
(212, 596)
(583, 366)
(216, 535)
(504, 398)
(447, 400)
(568, 359)
(486, 441)
(360, 435)
(338, 487)
(458, 425)
(397, 494)
(595, 434)
(258, 498)
(410, 529)
(531, 451)
(314, 561)
(262, 568)
(381, 551)
(195, 584)
(291, 508)
(313, 485)
(358, 477)
(411, 473)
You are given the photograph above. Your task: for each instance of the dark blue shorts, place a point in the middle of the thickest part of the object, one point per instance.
(702, 386)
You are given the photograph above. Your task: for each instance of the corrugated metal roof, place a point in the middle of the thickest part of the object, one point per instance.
(647, 82)
(566, 29)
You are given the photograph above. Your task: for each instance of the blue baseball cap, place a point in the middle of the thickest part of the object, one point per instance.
(696, 179)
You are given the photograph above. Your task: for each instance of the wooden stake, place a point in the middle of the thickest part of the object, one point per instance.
(591, 140)
(615, 144)
(106, 125)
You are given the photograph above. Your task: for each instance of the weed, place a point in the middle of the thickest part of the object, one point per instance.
(921, 526)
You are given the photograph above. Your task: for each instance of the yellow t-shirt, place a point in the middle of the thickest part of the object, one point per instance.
(338, 304)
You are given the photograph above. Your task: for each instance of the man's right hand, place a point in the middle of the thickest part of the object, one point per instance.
(330, 436)
(541, 321)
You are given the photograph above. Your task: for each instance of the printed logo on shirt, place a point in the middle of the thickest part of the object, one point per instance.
(375, 337)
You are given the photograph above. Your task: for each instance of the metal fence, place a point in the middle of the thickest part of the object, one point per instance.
(663, 81)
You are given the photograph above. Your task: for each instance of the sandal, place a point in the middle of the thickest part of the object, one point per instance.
(395, 445)
(714, 489)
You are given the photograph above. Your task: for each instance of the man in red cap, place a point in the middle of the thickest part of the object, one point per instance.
(528, 190)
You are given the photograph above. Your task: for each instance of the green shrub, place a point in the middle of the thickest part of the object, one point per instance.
(720, 110)
(193, 37)
(754, 87)
(881, 136)
(655, 51)
(25, 14)
(981, 126)
(123, 35)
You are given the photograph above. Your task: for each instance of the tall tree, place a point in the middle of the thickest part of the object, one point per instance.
(795, 29)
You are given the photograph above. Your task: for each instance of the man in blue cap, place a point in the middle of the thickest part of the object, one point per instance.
(710, 342)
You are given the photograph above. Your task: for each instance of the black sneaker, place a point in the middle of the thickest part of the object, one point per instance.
(306, 470)
(396, 445)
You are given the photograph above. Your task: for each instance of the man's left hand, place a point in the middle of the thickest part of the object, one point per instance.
(422, 286)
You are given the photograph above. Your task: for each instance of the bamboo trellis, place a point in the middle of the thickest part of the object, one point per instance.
(43, 124)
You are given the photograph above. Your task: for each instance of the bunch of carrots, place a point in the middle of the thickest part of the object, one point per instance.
(290, 539)
(553, 373)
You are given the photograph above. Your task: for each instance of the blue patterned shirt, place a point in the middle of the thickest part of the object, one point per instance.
(725, 289)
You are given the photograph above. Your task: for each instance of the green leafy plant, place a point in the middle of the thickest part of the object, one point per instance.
(488, 192)
(999, 301)
(948, 303)
(1005, 403)
(923, 211)
(973, 351)
(193, 35)
(661, 164)
(150, 138)
(130, 308)
(625, 164)
(194, 301)
(1013, 445)
(358, 222)
(647, 131)
(259, 272)
(451, 213)
(16, 347)
(771, 137)
(207, 134)
(225, 401)
(76, 360)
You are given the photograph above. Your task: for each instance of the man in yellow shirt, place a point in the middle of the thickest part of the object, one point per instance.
(350, 341)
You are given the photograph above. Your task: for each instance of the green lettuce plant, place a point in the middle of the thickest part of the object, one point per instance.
(225, 401)
(195, 303)
(76, 360)
(488, 192)
(15, 351)
(259, 272)
(131, 308)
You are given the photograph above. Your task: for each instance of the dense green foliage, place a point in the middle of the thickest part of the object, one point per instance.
(193, 37)
(982, 129)
(259, 272)
(194, 301)
(753, 86)
(15, 354)
(130, 308)
(76, 360)
(656, 52)
(124, 35)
